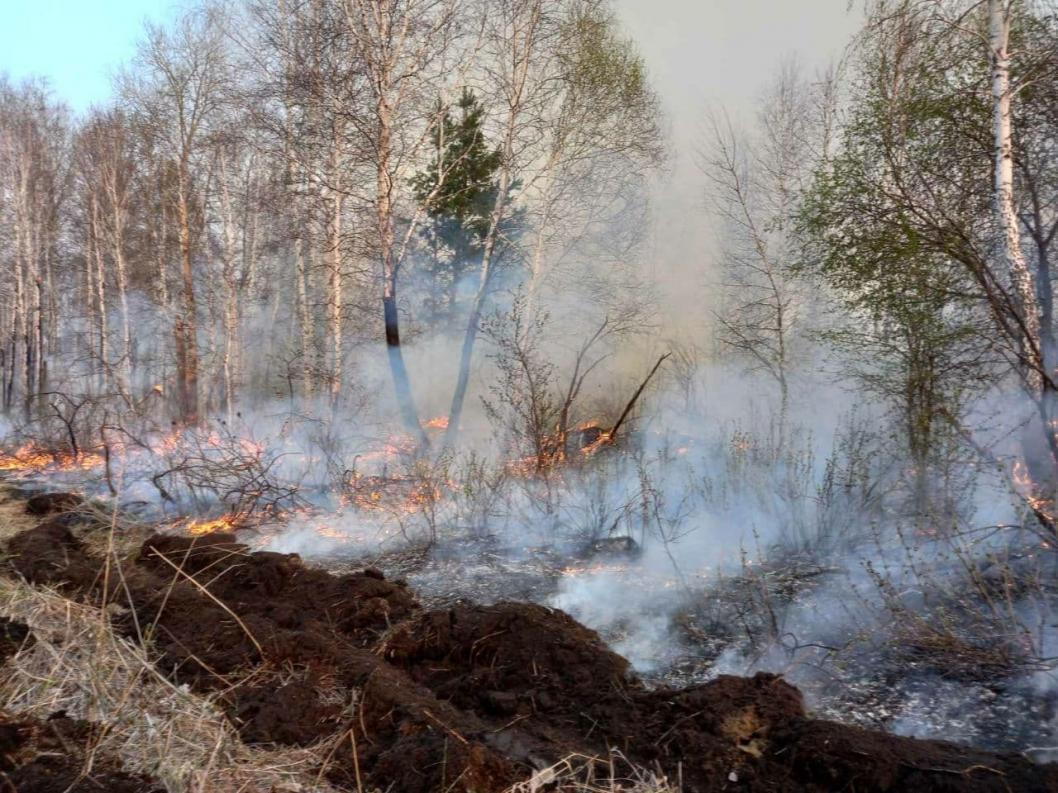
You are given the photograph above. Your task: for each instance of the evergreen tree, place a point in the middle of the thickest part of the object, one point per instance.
(458, 192)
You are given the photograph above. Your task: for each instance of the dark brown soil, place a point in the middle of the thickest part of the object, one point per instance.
(53, 503)
(13, 637)
(52, 757)
(471, 698)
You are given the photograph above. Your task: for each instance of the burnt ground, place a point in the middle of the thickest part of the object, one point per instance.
(868, 675)
(463, 698)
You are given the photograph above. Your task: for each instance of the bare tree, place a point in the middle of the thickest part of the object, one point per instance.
(570, 94)
(402, 46)
(757, 180)
(176, 95)
(33, 169)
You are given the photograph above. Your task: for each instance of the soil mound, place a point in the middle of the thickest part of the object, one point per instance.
(823, 755)
(13, 637)
(50, 757)
(51, 554)
(509, 658)
(471, 698)
(43, 504)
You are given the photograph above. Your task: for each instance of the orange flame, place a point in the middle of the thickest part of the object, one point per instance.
(29, 456)
(200, 528)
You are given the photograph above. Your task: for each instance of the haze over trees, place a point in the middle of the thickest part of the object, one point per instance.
(396, 257)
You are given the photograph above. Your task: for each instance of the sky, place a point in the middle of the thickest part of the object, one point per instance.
(715, 55)
(698, 50)
(76, 44)
(701, 55)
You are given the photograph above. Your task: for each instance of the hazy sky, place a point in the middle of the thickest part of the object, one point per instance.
(698, 50)
(700, 53)
(715, 54)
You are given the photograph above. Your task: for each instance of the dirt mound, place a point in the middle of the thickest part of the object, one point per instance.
(43, 504)
(823, 755)
(537, 669)
(50, 757)
(509, 658)
(13, 637)
(51, 554)
(261, 607)
(471, 698)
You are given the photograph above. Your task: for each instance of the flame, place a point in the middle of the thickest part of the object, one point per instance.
(1027, 489)
(199, 528)
(29, 456)
(407, 494)
(598, 443)
(438, 423)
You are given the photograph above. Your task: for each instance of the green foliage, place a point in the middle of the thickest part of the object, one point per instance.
(458, 192)
(892, 221)
(608, 103)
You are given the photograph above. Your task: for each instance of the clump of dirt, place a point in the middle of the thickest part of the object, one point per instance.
(43, 504)
(52, 757)
(260, 607)
(508, 658)
(470, 698)
(13, 637)
(51, 554)
(824, 755)
(537, 669)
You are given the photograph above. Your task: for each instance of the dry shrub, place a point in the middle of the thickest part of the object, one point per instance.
(80, 666)
(583, 774)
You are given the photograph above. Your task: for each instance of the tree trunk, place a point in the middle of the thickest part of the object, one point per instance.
(334, 299)
(1021, 276)
(455, 411)
(384, 200)
(186, 325)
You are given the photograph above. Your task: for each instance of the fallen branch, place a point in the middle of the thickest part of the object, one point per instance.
(635, 398)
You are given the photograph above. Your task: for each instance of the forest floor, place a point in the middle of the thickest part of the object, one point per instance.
(138, 661)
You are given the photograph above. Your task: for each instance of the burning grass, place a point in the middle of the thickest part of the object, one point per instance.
(32, 457)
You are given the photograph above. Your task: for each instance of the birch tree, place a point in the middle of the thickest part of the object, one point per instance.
(569, 92)
(402, 46)
(177, 94)
(108, 165)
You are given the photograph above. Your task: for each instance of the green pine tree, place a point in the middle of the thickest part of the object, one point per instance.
(458, 191)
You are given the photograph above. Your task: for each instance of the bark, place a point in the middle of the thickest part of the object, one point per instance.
(229, 360)
(100, 297)
(186, 326)
(1021, 276)
(455, 411)
(334, 300)
(384, 213)
(117, 198)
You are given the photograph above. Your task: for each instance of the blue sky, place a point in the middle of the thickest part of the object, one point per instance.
(76, 44)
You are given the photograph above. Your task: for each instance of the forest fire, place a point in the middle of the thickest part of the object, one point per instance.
(398, 493)
(421, 395)
(199, 528)
(32, 457)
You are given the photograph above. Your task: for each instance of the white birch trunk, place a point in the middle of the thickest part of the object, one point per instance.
(1021, 276)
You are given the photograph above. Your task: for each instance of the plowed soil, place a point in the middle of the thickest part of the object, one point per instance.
(50, 757)
(469, 698)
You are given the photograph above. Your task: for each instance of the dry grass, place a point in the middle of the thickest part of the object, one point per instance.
(583, 774)
(13, 517)
(80, 665)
